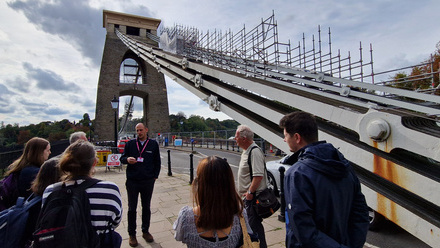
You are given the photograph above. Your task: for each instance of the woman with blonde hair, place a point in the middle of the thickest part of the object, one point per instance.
(214, 221)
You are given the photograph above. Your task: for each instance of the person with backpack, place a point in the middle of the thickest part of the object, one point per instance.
(79, 211)
(251, 182)
(22, 172)
(18, 222)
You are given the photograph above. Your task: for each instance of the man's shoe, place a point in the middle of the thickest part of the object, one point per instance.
(132, 241)
(148, 237)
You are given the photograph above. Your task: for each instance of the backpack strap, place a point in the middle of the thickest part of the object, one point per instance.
(31, 201)
(249, 162)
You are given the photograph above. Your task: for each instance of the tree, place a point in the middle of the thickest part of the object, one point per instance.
(229, 124)
(10, 134)
(195, 123)
(418, 79)
(213, 124)
(23, 137)
(85, 121)
(65, 125)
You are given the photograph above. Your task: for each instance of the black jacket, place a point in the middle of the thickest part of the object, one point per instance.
(149, 168)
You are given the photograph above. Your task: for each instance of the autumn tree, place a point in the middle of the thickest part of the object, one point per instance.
(422, 77)
(23, 137)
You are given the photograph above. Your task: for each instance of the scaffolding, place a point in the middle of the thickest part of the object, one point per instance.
(258, 52)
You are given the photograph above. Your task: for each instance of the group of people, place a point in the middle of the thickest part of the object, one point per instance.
(39, 177)
(324, 203)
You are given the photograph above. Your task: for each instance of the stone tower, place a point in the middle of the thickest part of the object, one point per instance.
(152, 90)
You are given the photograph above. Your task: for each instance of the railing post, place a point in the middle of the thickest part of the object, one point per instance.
(213, 142)
(281, 216)
(191, 168)
(169, 164)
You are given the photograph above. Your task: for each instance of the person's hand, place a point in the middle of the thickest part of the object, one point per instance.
(248, 196)
(131, 160)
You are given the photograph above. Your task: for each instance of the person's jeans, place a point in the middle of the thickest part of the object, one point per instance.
(145, 189)
(255, 221)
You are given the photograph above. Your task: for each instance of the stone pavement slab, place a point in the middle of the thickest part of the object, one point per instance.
(170, 194)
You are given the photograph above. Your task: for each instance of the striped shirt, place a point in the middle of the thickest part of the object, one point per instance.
(105, 203)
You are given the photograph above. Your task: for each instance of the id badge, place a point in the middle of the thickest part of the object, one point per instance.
(140, 159)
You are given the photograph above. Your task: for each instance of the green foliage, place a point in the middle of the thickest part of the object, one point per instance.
(52, 131)
(179, 123)
(85, 122)
(11, 135)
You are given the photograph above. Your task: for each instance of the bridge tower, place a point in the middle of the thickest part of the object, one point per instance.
(152, 89)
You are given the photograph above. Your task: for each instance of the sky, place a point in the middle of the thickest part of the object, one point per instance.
(51, 50)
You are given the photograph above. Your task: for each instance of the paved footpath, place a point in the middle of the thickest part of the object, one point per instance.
(170, 194)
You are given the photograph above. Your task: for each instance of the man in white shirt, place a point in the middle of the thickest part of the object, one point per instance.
(249, 184)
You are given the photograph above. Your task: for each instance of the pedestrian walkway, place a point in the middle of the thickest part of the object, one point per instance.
(170, 194)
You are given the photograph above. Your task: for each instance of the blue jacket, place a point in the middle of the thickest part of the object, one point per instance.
(324, 203)
(27, 176)
(149, 168)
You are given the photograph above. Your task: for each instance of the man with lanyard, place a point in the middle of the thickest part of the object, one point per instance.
(143, 166)
(249, 185)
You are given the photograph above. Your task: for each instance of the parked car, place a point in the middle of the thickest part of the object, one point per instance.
(273, 173)
(121, 145)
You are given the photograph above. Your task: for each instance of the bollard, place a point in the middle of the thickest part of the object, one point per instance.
(281, 216)
(191, 168)
(169, 164)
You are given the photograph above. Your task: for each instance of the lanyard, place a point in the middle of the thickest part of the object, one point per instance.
(145, 145)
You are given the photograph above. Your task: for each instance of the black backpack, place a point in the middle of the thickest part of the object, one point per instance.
(266, 202)
(65, 221)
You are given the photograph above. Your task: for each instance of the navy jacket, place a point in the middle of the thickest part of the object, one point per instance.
(149, 168)
(27, 176)
(324, 203)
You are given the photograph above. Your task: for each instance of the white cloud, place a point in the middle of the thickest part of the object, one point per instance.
(51, 50)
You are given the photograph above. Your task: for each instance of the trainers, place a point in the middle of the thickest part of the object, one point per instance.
(148, 237)
(132, 241)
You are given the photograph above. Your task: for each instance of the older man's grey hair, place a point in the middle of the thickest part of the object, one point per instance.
(246, 132)
(77, 136)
